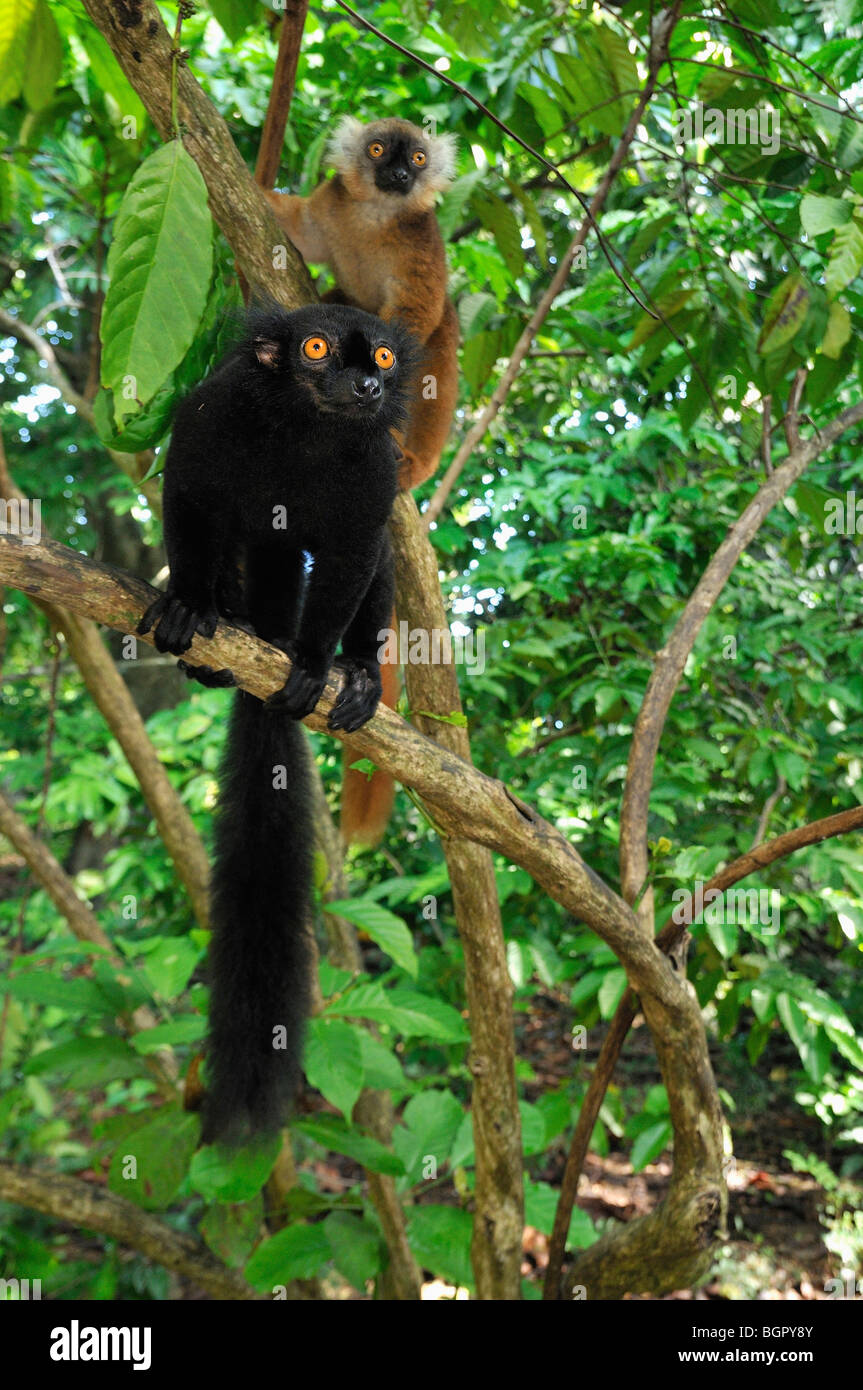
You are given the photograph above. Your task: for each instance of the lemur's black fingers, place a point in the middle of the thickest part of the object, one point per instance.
(299, 694)
(207, 623)
(221, 679)
(357, 700)
(176, 628)
(152, 615)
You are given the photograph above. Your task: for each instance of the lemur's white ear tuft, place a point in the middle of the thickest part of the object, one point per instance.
(443, 150)
(343, 143)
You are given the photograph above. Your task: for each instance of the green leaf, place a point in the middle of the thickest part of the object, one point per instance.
(169, 966)
(234, 1175)
(540, 1205)
(381, 1068)
(149, 1165)
(297, 1252)
(111, 79)
(16, 18)
(333, 1134)
(384, 927)
(160, 263)
(819, 214)
(611, 991)
(785, 313)
(356, 1246)
(431, 1122)
(235, 16)
(414, 1015)
(846, 258)
(188, 1029)
(440, 1239)
(89, 1061)
(231, 1231)
(838, 330)
(44, 58)
(333, 1062)
(75, 996)
(649, 1144)
(499, 218)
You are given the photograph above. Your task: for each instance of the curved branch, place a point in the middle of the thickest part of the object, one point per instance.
(671, 659)
(82, 1204)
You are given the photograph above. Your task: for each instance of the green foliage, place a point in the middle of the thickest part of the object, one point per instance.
(630, 441)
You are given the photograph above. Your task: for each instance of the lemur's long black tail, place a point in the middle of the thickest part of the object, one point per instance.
(260, 895)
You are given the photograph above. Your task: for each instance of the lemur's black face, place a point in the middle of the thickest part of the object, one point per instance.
(351, 364)
(397, 161)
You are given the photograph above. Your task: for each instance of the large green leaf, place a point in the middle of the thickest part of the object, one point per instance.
(16, 19)
(415, 1015)
(44, 58)
(149, 1165)
(160, 264)
(89, 1061)
(383, 926)
(234, 1175)
(334, 1134)
(333, 1061)
(440, 1239)
(297, 1252)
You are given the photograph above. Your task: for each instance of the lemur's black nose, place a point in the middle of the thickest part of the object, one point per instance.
(367, 388)
(400, 174)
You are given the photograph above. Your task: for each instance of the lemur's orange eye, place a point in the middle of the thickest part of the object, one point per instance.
(384, 357)
(419, 158)
(376, 149)
(316, 348)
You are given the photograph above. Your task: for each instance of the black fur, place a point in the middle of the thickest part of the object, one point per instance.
(271, 430)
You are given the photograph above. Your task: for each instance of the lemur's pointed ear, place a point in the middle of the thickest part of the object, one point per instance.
(267, 352)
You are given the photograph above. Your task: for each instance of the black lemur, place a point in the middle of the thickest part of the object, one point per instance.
(281, 456)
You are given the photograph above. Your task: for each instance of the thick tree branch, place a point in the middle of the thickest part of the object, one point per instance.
(82, 1204)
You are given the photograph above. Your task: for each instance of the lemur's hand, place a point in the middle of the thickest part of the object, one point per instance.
(176, 623)
(359, 696)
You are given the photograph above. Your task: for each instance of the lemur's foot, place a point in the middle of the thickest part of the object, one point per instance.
(222, 679)
(176, 623)
(304, 686)
(359, 696)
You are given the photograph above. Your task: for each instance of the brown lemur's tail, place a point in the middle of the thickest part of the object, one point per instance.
(367, 802)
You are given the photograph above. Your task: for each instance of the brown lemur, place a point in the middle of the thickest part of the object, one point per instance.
(374, 225)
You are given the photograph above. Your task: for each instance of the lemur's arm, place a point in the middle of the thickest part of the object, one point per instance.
(338, 590)
(306, 221)
(195, 536)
